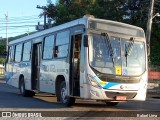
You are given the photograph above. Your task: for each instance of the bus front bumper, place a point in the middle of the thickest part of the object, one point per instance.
(90, 92)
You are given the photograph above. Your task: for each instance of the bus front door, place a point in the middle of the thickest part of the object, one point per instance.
(75, 65)
(36, 60)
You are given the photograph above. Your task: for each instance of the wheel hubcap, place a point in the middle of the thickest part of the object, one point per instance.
(64, 94)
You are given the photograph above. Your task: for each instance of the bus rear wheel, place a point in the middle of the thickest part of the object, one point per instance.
(66, 100)
(22, 87)
(23, 92)
(111, 103)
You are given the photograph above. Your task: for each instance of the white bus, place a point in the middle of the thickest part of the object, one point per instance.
(87, 58)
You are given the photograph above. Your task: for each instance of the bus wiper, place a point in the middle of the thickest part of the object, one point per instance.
(128, 49)
(109, 46)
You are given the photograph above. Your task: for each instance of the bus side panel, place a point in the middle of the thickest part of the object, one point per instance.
(9, 73)
(49, 71)
(15, 72)
(47, 76)
(26, 72)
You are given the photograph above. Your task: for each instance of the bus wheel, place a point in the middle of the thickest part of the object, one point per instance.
(25, 93)
(111, 103)
(67, 101)
(22, 87)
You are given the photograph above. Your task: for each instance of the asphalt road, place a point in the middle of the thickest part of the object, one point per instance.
(11, 100)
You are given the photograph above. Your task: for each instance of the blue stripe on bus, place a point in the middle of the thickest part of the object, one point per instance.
(110, 84)
(105, 85)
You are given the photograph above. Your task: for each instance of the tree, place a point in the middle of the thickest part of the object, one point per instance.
(64, 11)
(109, 9)
(2, 60)
(136, 12)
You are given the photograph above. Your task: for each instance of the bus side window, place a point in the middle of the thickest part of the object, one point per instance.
(62, 43)
(56, 51)
(11, 54)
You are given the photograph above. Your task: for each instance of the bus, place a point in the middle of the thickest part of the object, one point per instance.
(87, 58)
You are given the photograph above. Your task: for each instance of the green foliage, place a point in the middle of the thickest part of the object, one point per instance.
(2, 60)
(155, 45)
(109, 9)
(2, 46)
(136, 12)
(64, 12)
(128, 11)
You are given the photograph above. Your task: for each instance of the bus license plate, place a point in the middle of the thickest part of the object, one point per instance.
(121, 97)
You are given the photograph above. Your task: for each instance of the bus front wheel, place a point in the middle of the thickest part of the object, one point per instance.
(66, 100)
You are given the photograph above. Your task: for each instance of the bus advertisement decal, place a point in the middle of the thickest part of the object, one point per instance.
(109, 85)
(106, 85)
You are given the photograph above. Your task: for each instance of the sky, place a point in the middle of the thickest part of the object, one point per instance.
(22, 16)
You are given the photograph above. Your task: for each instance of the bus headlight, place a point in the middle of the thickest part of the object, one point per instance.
(93, 82)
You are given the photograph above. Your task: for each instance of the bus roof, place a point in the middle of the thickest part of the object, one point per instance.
(81, 21)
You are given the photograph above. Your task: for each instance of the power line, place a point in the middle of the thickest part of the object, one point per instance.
(22, 17)
(18, 19)
(20, 26)
(21, 22)
(16, 32)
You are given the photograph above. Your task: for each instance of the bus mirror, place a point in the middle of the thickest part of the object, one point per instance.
(86, 41)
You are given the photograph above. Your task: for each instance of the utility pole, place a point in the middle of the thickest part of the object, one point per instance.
(6, 16)
(149, 26)
(44, 13)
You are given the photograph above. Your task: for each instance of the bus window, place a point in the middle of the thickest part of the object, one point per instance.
(26, 51)
(18, 53)
(11, 54)
(62, 41)
(48, 47)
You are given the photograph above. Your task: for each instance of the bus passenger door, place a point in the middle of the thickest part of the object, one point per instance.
(36, 61)
(75, 65)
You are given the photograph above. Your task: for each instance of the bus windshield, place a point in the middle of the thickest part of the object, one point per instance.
(117, 56)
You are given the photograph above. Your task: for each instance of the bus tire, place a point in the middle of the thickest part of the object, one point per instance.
(30, 93)
(66, 100)
(23, 92)
(111, 103)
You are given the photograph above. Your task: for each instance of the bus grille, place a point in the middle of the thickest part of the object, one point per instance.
(114, 94)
